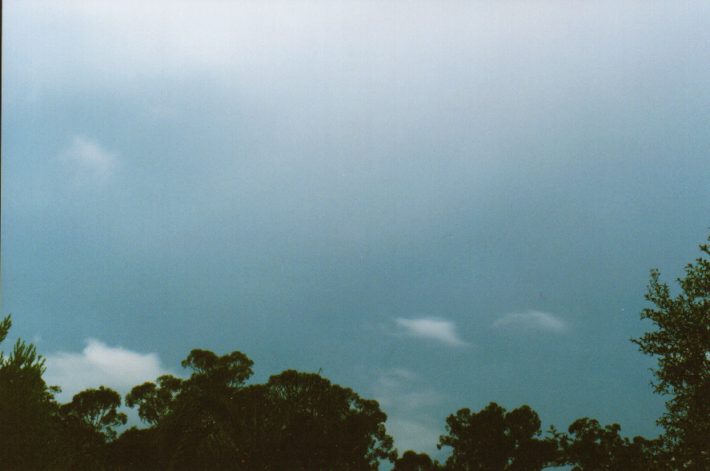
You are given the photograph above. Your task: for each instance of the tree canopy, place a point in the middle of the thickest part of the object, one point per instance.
(28, 425)
(293, 421)
(494, 439)
(413, 461)
(591, 446)
(681, 341)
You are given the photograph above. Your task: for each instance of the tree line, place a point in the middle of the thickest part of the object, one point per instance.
(214, 419)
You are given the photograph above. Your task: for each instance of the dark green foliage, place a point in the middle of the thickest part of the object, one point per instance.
(87, 425)
(36, 433)
(28, 423)
(96, 409)
(82, 446)
(493, 440)
(154, 401)
(316, 425)
(681, 342)
(589, 446)
(212, 371)
(295, 421)
(5, 325)
(412, 461)
(197, 430)
(135, 450)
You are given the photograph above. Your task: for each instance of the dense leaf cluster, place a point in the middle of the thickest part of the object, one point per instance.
(681, 341)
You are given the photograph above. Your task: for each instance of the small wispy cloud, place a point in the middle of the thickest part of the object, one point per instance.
(532, 321)
(395, 389)
(410, 405)
(101, 365)
(89, 159)
(432, 328)
(413, 435)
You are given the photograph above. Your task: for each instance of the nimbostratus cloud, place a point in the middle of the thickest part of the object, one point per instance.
(432, 328)
(531, 321)
(101, 365)
(89, 159)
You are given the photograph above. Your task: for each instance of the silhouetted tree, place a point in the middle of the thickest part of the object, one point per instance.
(591, 447)
(5, 325)
(212, 372)
(135, 450)
(97, 409)
(493, 440)
(316, 425)
(412, 461)
(155, 401)
(88, 424)
(198, 431)
(28, 421)
(681, 341)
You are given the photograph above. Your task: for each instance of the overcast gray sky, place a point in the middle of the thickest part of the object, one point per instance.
(439, 204)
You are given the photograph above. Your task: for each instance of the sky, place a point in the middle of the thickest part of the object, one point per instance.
(439, 204)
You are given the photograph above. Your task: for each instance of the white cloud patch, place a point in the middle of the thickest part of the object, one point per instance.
(101, 365)
(532, 321)
(409, 403)
(413, 435)
(397, 389)
(89, 159)
(432, 328)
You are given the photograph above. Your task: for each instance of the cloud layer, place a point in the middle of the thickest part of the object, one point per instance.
(432, 328)
(101, 365)
(532, 321)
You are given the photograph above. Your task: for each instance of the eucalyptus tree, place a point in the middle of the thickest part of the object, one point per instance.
(590, 446)
(495, 440)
